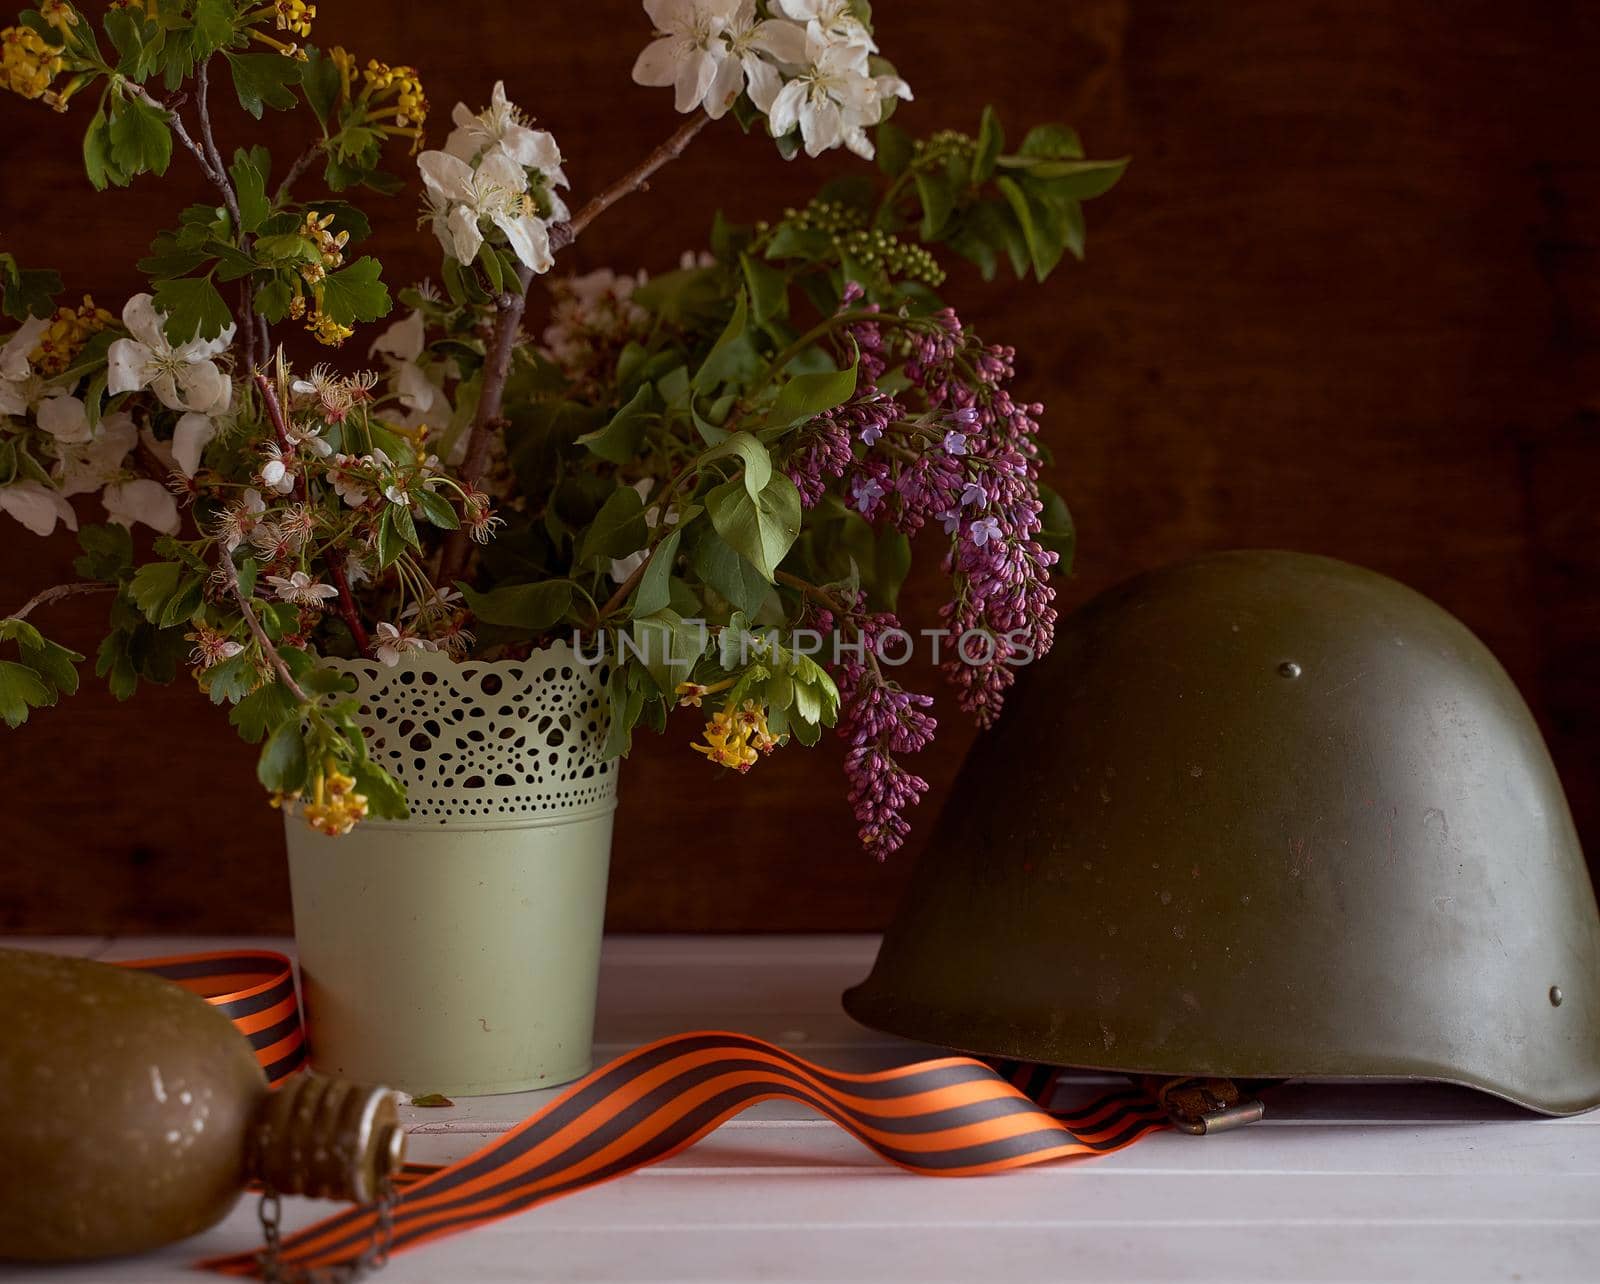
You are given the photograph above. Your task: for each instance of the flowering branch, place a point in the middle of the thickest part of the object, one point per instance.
(488, 422)
(57, 593)
(230, 579)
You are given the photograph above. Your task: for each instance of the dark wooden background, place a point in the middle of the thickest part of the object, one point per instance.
(1347, 300)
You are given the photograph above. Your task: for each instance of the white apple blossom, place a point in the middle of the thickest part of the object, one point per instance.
(390, 644)
(38, 507)
(463, 198)
(833, 97)
(87, 466)
(835, 18)
(239, 519)
(401, 345)
(689, 49)
(65, 418)
(503, 126)
(300, 589)
(754, 44)
(141, 500)
(183, 377)
(18, 388)
(438, 604)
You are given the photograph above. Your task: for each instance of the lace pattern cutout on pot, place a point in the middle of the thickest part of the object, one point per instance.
(489, 741)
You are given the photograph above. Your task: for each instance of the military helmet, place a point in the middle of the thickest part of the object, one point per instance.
(1261, 816)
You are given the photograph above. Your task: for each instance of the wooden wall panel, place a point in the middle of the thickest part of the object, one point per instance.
(1347, 300)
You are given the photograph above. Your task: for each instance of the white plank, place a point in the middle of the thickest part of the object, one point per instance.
(1340, 1182)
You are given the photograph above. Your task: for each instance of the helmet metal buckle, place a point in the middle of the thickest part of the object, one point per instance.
(1201, 1107)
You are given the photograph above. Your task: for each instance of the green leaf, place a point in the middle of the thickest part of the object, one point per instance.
(769, 288)
(762, 529)
(1057, 531)
(356, 293)
(895, 150)
(625, 697)
(231, 680)
(28, 291)
(282, 766)
(154, 585)
(618, 530)
(249, 170)
(757, 461)
(1080, 180)
(731, 575)
(320, 82)
(1042, 228)
(436, 508)
(669, 647)
(893, 564)
(938, 198)
(991, 139)
(55, 664)
(621, 438)
(262, 80)
(264, 708)
(385, 797)
(107, 553)
(1054, 142)
(655, 587)
(194, 308)
(213, 26)
(534, 607)
(721, 361)
(97, 161)
(807, 395)
(20, 689)
(140, 140)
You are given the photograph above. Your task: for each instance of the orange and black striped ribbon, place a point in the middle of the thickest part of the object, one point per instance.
(255, 990)
(950, 1117)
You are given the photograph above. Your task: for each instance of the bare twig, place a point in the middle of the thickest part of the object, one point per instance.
(302, 163)
(57, 593)
(219, 171)
(175, 123)
(636, 179)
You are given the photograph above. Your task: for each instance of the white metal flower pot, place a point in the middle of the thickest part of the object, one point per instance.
(458, 951)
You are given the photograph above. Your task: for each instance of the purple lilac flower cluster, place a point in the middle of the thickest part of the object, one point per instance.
(879, 719)
(954, 448)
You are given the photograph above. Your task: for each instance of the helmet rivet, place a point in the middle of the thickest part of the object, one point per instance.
(1289, 669)
(1555, 996)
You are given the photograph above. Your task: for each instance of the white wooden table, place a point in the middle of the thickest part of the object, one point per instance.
(1337, 1183)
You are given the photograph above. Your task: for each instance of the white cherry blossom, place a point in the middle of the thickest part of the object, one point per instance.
(141, 500)
(390, 644)
(38, 507)
(300, 589)
(184, 377)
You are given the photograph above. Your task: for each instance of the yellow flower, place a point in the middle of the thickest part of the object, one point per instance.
(69, 329)
(27, 64)
(295, 16)
(737, 737)
(326, 330)
(394, 100)
(59, 14)
(335, 807)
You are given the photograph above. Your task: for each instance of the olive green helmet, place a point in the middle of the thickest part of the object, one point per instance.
(1259, 815)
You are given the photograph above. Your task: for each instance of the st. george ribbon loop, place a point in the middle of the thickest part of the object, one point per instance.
(949, 1117)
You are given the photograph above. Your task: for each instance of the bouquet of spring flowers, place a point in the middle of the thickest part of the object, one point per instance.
(713, 475)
